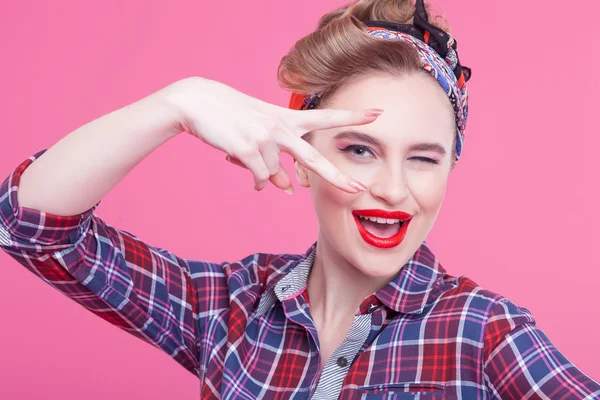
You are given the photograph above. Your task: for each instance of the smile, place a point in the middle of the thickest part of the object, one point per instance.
(382, 229)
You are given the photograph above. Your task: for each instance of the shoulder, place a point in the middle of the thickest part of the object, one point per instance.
(475, 295)
(497, 314)
(260, 269)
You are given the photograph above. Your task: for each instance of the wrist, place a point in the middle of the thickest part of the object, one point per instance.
(180, 95)
(169, 104)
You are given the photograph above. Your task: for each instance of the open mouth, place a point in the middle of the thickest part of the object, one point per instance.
(382, 229)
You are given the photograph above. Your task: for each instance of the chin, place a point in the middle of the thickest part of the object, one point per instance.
(384, 273)
(377, 267)
(378, 264)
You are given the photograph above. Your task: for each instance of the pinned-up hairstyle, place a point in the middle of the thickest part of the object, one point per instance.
(341, 49)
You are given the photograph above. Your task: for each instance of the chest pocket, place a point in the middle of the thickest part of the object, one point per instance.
(404, 391)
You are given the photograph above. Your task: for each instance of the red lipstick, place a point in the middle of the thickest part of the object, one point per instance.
(383, 243)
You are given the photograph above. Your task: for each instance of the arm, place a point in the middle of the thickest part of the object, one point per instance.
(79, 170)
(48, 225)
(522, 363)
(144, 290)
(47, 220)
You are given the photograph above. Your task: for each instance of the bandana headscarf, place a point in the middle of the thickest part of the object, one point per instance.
(438, 55)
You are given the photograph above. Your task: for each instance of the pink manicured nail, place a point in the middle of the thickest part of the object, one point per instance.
(357, 185)
(374, 112)
(289, 190)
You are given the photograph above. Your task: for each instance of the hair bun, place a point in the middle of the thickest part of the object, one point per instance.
(340, 49)
(397, 11)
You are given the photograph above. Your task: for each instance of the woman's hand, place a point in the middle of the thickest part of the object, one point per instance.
(253, 132)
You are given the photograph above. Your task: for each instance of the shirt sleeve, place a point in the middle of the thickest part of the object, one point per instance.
(144, 290)
(522, 363)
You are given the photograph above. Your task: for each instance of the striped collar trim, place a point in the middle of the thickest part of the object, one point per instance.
(407, 293)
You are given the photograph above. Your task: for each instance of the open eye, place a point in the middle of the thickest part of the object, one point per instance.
(357, 150)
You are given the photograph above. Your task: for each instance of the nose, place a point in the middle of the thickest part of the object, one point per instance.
(390, 186)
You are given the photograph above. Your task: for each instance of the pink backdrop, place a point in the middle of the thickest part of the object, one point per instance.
(523, 198)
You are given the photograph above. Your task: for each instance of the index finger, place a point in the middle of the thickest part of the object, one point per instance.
(316, 162)
(310, 120)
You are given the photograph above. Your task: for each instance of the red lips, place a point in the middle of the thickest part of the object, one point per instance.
(383, 243)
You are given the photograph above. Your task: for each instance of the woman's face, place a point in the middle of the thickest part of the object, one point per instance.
(404, 158)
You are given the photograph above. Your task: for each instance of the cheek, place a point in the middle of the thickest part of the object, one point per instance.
(365, 173)
(327, 196)
(428, 188)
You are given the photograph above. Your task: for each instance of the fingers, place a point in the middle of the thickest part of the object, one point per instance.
(310, 120)
(279, 176)
(256, 164)
(281, 179)
(235, 161)
(313, 160)
(270, 154)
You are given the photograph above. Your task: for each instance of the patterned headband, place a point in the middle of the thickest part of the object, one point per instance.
(438, 55)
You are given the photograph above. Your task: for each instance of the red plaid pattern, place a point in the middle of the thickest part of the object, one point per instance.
(245, 329)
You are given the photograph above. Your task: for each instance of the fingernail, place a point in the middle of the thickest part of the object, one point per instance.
(357, 185)
(374, 112)
(289, 190)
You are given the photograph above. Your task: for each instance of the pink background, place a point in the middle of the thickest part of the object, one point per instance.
(520, 216)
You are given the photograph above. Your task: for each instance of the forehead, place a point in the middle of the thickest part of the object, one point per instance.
(416, 109)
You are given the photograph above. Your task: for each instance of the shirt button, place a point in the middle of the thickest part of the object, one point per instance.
(342, 362)
(372, 307)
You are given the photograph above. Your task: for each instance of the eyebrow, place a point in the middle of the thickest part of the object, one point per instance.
(363, 137)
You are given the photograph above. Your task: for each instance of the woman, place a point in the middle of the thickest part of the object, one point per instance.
(376, 126)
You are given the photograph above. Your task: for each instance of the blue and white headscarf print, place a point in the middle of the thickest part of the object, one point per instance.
(438, 56)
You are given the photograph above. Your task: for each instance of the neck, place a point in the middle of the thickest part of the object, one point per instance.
(335, 286)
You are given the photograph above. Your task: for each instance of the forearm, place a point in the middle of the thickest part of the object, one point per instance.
(526, 365)
(80, 169)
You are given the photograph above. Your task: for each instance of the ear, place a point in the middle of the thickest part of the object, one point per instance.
(301, 174)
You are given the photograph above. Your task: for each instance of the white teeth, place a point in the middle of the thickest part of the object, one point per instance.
(381, 220)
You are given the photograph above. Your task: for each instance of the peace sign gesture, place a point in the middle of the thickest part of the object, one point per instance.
(253, 132)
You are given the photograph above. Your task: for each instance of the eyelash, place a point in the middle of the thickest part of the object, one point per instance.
(427, 160)
(353, 147)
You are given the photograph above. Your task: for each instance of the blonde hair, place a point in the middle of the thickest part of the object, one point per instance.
(340, 49)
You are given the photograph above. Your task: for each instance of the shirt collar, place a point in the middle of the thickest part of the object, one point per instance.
(407, 293)
(292, 284)
(410, 290)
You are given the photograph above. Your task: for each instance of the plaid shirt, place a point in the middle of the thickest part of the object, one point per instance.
(245, 329)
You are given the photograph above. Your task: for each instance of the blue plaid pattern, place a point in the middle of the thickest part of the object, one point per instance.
(245, 328)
